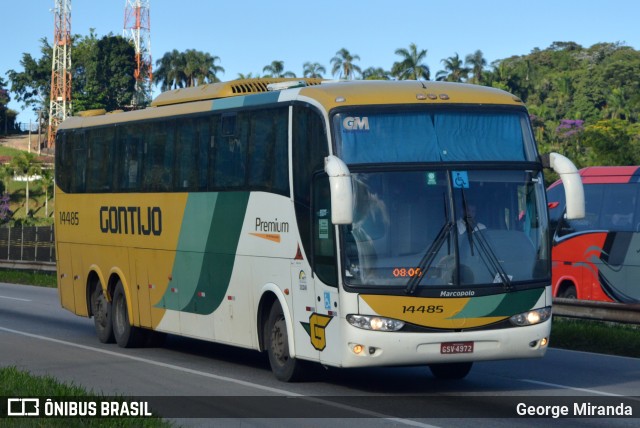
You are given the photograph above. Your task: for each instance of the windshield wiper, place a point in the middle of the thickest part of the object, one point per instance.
(488, 256)
(429, 256)
(490, 259)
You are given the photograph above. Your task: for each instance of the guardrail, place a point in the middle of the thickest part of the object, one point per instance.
(594, 310)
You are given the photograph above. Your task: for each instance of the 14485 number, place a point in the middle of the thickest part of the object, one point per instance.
(69, 218)
(431, 309)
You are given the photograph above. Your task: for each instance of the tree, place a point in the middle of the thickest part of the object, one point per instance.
(313, 70)
(477, 64)
(32, 86)
(170, 71)
(186, 69)
(276, 69)
(411, 66)
(200, 67)
(343, 65)
(454, 70)
(4, 100)
(373, 73)
(102, 74)
(115, 81)
(613, 142)
(26, 165)
(46, 181)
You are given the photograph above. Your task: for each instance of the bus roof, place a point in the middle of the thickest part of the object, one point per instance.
(354, 92)
(607, 175)
(328, 93)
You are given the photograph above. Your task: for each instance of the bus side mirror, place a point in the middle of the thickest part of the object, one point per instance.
(341, 190)
(574, 192)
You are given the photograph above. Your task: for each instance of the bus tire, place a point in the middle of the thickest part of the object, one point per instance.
(450, 371)
(569, 293)
(126, 335)
(284, 367)
(101, 311)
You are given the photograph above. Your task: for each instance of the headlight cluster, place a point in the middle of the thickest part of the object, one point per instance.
(372, 322)
(535, 316)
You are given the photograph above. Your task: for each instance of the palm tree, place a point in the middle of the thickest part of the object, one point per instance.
(25, 164)
(478, 63)
(184, 69)
(373, 73)
(170, 71)
(200, 67)
(343, 64)
(411, 66)
(454, 70)
(276, 69)
(313, 70)
(46, 180)
(242, 76)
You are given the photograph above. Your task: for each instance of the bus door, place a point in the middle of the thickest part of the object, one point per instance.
(324, 323)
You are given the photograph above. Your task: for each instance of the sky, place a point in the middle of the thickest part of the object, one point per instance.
(248, 35)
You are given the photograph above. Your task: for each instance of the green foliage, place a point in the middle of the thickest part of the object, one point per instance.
(595, 336)
(102, 74)
(18, 383)
(184, 69)
(32, 86)
(411, 65)
(599, 85)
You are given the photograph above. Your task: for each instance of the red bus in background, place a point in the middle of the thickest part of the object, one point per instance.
(598, 257)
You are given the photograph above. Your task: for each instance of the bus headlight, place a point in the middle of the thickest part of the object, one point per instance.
(373, 322)
(535, 316)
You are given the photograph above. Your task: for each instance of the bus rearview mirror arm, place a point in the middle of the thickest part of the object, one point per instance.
(574, 192)
(341, 190)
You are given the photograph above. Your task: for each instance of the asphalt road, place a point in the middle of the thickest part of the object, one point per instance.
(195, 383)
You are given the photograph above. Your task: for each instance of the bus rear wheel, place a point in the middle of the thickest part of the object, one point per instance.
(569, 293)
(450, 371)
(101, 310)
(284, 367)
(126, 335)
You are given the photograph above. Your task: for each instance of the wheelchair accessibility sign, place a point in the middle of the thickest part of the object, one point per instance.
(460, 179)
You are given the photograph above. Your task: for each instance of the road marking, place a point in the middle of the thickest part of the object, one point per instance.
(365, 413)
(555, 385)
(15, 298)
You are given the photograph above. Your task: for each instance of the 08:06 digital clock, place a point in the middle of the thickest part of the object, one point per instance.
(407, 272)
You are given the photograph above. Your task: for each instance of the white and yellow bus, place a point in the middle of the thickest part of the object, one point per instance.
(345, 223)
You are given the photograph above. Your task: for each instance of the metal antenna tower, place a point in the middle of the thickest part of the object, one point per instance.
(60, 103)
(137, 29)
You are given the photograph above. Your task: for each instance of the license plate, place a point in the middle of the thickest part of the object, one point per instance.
(456, 348)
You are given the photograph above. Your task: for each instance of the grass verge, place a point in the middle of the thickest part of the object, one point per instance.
(17, 383)
(28, 277)
(596, 336)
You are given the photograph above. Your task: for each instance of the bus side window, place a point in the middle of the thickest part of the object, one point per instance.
(158, 157)
(78, 181)
(187, 155)
(324, 243)
(100, 161)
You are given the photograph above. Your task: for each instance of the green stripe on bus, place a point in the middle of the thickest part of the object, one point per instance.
(208, 242)
(500, 305)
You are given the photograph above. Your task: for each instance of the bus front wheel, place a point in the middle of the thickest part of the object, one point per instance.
(101, 310)
(450, 370)
(126, 335)
(284, 367)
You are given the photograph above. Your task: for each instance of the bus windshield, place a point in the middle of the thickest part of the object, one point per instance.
(446, 228)
(449, 135)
